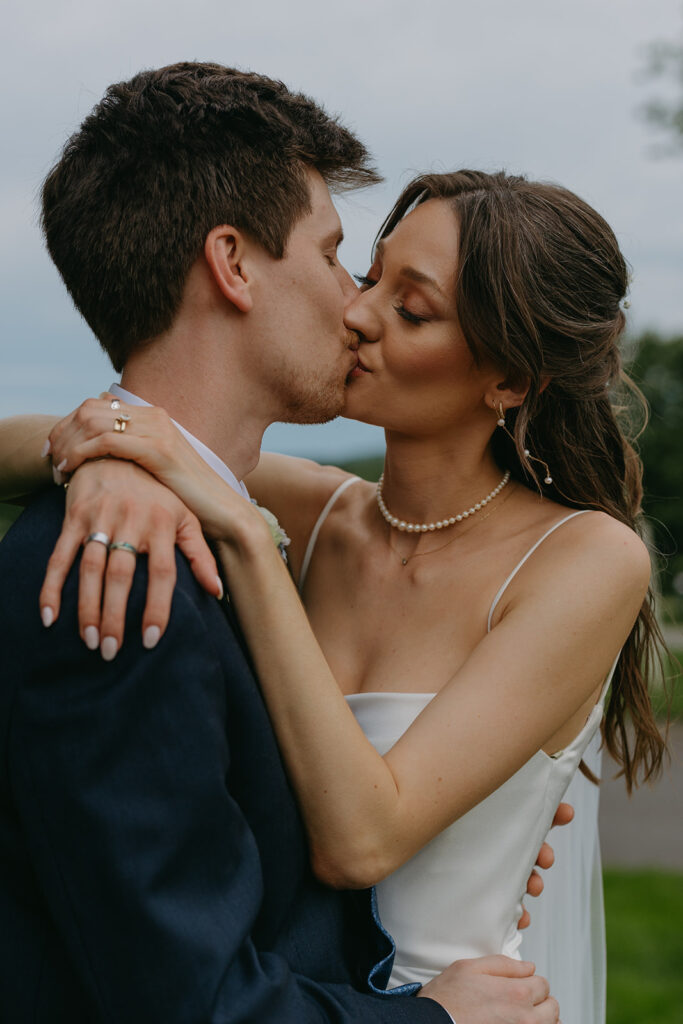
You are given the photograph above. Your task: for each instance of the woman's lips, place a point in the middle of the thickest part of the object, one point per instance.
(359, 369)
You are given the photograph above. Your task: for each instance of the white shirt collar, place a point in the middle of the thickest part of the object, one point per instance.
(209, 457)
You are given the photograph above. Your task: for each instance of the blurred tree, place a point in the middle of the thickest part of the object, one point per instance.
(665, 63)
(658, 369)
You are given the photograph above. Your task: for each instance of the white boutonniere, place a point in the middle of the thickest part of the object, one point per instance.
(277, 533)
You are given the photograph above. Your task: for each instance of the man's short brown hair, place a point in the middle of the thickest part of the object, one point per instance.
(162, 160)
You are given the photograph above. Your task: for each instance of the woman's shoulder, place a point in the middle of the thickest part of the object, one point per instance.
(594, 535)
(589, 572)
(588, 548)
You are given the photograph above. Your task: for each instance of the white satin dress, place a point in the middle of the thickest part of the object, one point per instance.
(460, 896)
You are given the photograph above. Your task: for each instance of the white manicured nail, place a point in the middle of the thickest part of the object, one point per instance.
(45, 450)
(61, 466)
(58, 477)
(47, 615)
(150, 638)
(219, 581)
(109, 648)
(91, 635)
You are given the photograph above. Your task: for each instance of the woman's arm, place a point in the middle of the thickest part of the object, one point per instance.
(367, 814)
(293, 489)
(24, 467)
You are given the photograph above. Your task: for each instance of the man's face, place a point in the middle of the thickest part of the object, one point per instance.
(304, 349)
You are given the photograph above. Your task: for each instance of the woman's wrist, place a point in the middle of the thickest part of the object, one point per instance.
(246, 537)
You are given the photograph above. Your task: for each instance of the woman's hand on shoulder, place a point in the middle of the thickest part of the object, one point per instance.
(123, 504)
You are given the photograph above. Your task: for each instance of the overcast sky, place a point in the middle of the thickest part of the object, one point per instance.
(536, 86)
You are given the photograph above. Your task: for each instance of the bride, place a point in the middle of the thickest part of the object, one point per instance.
(473, 613)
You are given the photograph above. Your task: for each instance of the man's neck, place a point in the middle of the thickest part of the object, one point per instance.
(221, 418)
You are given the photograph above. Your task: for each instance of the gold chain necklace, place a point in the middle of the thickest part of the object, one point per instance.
(460, 533)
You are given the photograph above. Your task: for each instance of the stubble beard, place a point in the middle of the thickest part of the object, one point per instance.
(313, 400)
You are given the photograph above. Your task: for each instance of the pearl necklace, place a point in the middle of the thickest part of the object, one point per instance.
(400, 524)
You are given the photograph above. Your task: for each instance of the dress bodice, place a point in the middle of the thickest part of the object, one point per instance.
(460, 896)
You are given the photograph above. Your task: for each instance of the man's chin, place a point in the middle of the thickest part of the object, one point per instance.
(316, 409)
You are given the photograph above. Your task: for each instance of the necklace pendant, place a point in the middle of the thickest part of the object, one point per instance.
(404, 561)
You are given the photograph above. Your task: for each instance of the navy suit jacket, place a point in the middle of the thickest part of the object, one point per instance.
(153, 864)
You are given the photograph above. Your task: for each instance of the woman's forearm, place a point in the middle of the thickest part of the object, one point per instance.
(367, 814)
(346, 790)
(23, 468)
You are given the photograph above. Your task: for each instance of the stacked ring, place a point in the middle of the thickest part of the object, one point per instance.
(121, 422)
(98, 537)
(123, 545)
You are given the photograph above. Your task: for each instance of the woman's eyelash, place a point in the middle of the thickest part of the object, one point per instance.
(412, 318)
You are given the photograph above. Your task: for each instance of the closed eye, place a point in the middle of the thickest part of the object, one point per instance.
(412, 318)
(363, 281)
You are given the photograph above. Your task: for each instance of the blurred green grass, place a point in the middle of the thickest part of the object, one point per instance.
(644, 911)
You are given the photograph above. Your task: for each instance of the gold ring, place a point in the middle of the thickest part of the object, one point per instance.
(121, 422)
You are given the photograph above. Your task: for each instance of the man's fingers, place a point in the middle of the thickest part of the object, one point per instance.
(547, 1012)
(58, 567)
(505, 966)
(540, 989)
(534, 886)
(563, 815)
(546, 856)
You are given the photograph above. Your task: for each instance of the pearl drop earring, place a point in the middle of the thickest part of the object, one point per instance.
(527, 454)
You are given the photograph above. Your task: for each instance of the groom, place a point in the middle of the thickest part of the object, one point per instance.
(154, 866)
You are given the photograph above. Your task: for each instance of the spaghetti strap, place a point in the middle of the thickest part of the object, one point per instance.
(316, 529)
(530, 552)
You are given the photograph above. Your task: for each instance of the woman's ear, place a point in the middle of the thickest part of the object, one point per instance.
(225, 252)
(507, 393)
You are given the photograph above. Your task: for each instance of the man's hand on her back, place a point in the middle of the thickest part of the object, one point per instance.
(546, 858)
(493, 990)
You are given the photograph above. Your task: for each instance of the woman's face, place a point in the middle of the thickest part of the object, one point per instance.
(416, 373)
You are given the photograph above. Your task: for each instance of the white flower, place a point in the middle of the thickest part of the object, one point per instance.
(277, 533)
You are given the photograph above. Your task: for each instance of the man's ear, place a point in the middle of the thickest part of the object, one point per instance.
(225, 251)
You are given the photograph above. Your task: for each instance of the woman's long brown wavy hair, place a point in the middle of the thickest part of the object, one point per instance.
(539, 293)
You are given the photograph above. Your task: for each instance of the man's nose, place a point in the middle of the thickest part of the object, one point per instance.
(349, 287)
(359, 319)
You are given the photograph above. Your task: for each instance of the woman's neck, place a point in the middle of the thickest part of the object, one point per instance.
(431, 479)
